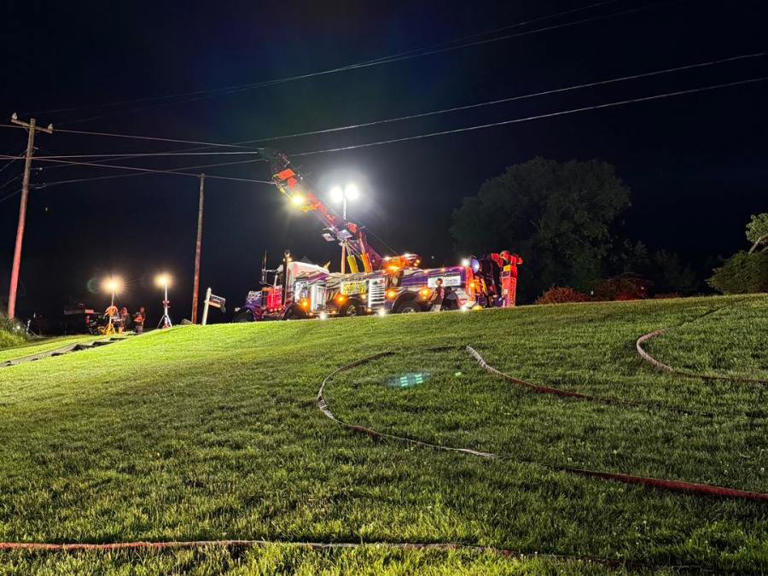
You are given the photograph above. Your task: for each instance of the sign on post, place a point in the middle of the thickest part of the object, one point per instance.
(212, 300)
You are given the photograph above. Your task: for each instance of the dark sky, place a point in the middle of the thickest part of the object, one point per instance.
(696, 164)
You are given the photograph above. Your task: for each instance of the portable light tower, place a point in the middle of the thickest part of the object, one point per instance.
(162, 280)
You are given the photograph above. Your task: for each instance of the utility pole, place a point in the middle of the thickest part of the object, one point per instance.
(31, 127)
(198, 249)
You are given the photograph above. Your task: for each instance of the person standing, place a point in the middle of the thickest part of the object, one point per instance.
(438, 295)
(138, 320)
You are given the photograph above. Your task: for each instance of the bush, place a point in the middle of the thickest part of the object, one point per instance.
(561, 295)
(622, 288)
(10, 334)
(742, 273)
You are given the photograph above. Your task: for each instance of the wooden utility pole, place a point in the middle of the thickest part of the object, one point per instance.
(31, 128)
(198, 249)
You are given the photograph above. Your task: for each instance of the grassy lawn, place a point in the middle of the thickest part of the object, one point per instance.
(208, 433)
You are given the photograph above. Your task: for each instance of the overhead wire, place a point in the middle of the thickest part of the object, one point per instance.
(415, 53)
(12, 160)
(12, 194)
(241, 144)
(537, 116)
(606, 105)
(159, 171)
(509, 99)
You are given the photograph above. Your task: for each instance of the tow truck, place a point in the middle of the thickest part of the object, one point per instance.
(382, 285)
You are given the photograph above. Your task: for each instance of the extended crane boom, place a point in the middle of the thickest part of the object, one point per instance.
(291, 184)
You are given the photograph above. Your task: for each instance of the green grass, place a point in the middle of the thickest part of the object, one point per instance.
(291, 559)
(8, 338)
(207, 433)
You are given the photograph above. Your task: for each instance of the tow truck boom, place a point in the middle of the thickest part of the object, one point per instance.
(291, 184)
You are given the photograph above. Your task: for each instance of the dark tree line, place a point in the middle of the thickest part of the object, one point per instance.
(564, 219)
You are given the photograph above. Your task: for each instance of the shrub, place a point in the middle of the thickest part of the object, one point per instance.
(561, 295)
(742, 273)
(622, 288)
(10, 334)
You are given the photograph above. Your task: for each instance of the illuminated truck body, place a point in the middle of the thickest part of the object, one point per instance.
(315, 292)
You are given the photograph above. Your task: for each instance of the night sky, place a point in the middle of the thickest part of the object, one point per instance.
(696, 164)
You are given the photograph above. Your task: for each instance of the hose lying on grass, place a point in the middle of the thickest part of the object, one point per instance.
(682, 372)
(695, 488)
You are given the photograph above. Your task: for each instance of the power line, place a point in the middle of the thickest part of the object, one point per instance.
(150, 155)
(539, 116)
(418, 53)
(241, 144)
(157, 171)
(509, 99)
(149, 138)
(414, 137)
(12, 194)
(12, 160)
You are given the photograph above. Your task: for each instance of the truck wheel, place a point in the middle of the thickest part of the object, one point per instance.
(294, 313)
(244, 315)
(352, 309)
(408, 307)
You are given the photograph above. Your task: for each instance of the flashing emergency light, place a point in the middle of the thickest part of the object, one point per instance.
(304, 303)
(391, 294)
(297, 199)
(340, 298)
(465, 262)
(424, 293)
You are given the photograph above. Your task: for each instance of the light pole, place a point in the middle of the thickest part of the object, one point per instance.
(112, 285)
(339, 194)
(163, 280)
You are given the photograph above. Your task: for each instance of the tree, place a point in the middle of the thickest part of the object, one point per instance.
(557, 216)
(757, 231)
(742, 273)
(746, 271)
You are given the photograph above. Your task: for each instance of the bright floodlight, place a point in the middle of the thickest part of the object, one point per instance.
(465, 262)
(113, 285)
(162, 280)
(297, 199)
(351, 192)
(337, 194)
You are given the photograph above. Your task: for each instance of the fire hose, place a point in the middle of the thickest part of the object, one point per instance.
(699, 489)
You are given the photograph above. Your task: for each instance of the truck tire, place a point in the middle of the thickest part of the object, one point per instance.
(294, 313)
(408, 306)
(352, 308)
(243, 315)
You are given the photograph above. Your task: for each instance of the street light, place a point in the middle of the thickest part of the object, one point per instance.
(163, 280)
(339, 194)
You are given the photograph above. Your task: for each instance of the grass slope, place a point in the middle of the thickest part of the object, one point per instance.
(206, 433)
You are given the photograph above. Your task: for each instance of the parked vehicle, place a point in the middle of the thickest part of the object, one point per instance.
(391, 284)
